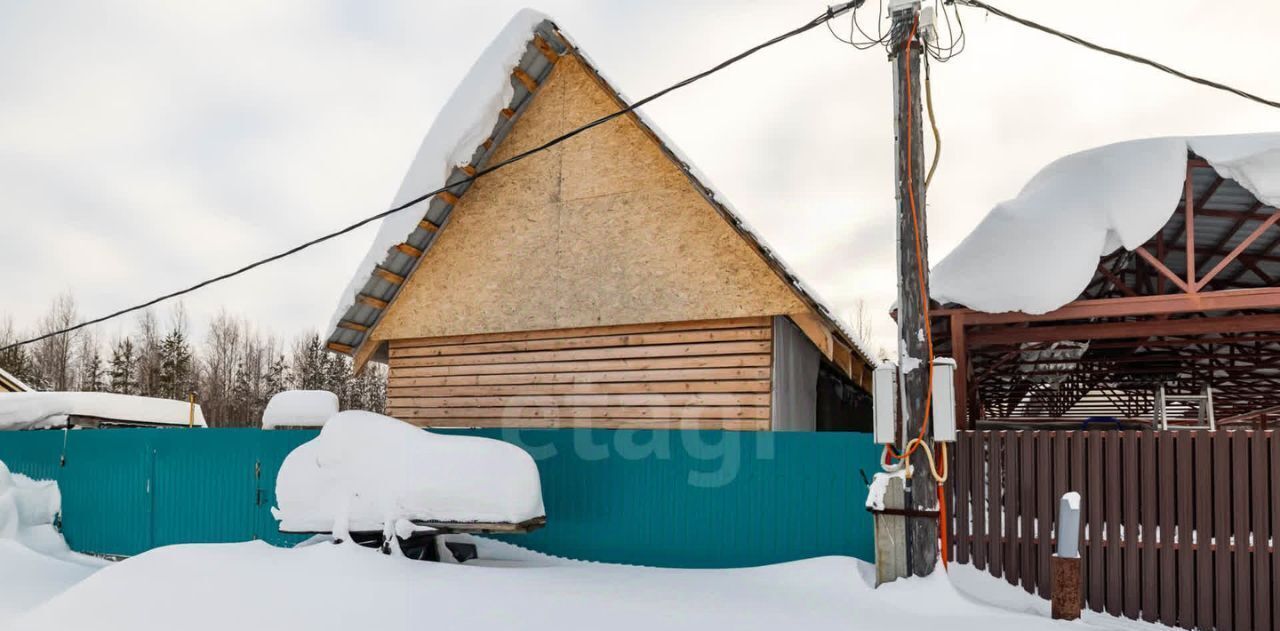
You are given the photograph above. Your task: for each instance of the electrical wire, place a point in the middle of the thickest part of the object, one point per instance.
(933, 124)
(1117, 53)
(823, 18)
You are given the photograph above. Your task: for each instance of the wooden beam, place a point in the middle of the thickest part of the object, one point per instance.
(1190, 208)
(1134, 329)
(817, 332)
(1253, 236)
(546, 49)
(468, 169)
(1165, 271)
(507, 112)
(340, 348)
(427, 225)
(447, 197)
(376, 303)
(1226, 300)
(388, 275)
(405, 248)
(354, 326)
(524, 78)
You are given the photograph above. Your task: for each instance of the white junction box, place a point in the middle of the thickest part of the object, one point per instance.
(884, 392)
(944, 400)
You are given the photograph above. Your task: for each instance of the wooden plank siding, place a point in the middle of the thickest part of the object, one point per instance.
(713, 374)
(1178, 527)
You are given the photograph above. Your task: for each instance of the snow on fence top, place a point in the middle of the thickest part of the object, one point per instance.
(1036, 252)
(299, 408)
(366, 471)
(41, 410)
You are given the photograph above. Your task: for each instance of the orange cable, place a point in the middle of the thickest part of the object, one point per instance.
(915, 226)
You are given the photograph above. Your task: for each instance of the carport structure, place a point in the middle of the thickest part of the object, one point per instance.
(1197, 304)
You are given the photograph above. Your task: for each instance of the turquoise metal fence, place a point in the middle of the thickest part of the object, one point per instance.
(654, 497)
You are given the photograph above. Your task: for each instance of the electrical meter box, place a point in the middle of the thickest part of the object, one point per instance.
(884, 392)
(944, 400)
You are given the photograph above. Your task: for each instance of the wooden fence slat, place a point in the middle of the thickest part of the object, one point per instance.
(1223, 602)
(1078, 476)
(1261, 531)
(1204, 529)
(1097, 581)
(1240, 518)
(995, 503)
(1167, 470)
(1012, 516)
(1132, 569)
(979, 491)
(1046, 504)
(960, 496)
(1183, 496)
(1274, 503)
(1111, 500)
(1150, 555)
(1027, 463)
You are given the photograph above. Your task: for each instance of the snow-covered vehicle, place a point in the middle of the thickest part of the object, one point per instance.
(379, 481)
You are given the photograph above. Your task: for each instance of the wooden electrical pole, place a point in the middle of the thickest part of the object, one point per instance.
(913, 266)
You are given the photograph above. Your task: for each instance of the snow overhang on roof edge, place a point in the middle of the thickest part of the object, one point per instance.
(442, 161)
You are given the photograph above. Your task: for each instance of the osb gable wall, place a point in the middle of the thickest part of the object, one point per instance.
(603, 229)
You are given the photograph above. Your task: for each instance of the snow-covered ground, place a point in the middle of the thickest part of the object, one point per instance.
(35, 563)
(325, 586)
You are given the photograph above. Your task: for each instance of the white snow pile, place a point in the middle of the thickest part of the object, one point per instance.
(1037, 251)
(368, 472)
(463, 124)
(339, 587)
(299, 408)
(41, 410)
(35, 562)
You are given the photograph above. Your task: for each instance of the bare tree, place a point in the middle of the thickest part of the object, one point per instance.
(54, 356)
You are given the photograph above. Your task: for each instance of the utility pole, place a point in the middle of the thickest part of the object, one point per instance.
(913, 264)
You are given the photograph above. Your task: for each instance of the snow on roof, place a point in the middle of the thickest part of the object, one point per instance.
(9, 383)
(299, 408)
(1038, 251)
(468, 119)
(365, 471)
(39, 410)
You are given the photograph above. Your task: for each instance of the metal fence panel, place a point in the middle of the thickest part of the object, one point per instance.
(655, 497)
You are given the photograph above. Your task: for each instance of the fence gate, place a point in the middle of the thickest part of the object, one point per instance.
(1177, 527)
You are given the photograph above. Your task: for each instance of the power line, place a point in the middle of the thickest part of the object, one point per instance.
(831, 13)
(1116, 53)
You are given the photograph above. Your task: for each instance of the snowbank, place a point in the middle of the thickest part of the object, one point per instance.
(339, 587)
(464, 123)
(299, 408)
(366, 470)
(1037, 251)
(39, 410)
(35, 562)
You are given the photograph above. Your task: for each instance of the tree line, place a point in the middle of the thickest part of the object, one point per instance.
(232, 370)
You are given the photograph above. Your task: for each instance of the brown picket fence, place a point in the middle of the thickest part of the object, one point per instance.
(1177, 527)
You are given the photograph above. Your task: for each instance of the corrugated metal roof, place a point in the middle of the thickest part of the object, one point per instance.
(353, 328)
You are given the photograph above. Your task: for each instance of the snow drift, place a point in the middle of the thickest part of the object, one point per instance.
(299, 408)
(1037, 251)
(35, 562)
(366, 471)
(41, 410)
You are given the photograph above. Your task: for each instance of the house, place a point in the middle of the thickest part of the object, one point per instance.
(599, 283)
(9, 383)
(1122, 283)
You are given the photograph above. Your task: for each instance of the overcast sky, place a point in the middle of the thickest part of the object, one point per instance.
(148, 145)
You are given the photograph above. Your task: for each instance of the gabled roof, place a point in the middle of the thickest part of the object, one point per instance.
(9, 383)
(480, 113)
